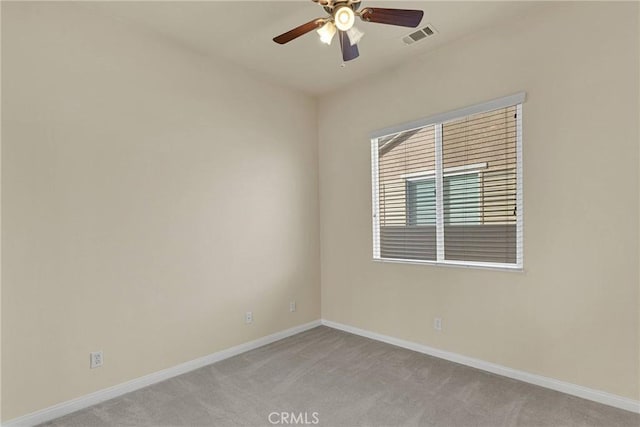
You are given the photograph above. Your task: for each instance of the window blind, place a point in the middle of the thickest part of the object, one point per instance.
(450, 191)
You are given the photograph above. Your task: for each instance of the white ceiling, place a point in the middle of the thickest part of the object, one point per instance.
(242, 31)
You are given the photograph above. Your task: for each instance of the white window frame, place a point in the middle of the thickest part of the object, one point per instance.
(437, 121)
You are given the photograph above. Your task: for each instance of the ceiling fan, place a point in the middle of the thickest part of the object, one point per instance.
(342, 15)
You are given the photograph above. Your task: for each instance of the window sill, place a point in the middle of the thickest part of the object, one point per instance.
(454, 264)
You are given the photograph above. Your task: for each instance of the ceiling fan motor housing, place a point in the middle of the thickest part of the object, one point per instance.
(331, 5)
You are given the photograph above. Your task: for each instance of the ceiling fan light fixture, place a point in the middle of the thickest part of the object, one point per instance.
(344, 18)
(354, 35)
(326, 32)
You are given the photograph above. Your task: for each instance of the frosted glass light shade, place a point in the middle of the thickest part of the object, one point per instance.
(354, 35)
(344, 18)
(326, 32)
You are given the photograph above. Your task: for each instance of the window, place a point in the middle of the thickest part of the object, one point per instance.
(448, 189)
(421, 202)
(461, 193)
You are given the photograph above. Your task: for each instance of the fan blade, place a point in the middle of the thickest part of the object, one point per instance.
(349, 51)
(401, 17)
(299, 31)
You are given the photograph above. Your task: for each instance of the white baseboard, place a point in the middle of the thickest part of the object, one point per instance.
(82, 402)
(553, 384)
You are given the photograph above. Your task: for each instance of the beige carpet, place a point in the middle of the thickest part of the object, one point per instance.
(339, 379)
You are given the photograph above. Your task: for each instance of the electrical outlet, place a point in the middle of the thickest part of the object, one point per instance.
(292, 306)
(437, 323)
(248, 317)
(96, 359)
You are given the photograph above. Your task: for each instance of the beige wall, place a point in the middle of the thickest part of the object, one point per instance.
(573, 313)
(0, 228)
(150, 197)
